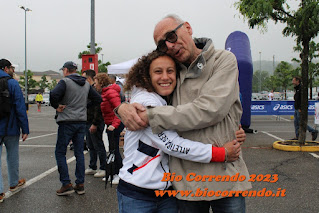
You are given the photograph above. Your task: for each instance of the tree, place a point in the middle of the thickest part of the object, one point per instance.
(313, 53)
(52, 84)
(272, 83)
(87, 52)
(103, 67)
(284, 75)
(302, 24)
(31, 83)
(259, 80)
(43, 83)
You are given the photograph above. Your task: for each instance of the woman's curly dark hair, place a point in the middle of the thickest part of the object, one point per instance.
(139, 74)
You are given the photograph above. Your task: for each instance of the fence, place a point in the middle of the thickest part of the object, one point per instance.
(278, 107)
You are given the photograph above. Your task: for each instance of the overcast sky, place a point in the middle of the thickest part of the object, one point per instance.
(58, 30)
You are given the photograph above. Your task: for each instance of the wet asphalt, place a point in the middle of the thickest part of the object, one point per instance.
(298, 172)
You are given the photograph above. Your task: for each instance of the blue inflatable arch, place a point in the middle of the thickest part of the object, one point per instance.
(238, 43)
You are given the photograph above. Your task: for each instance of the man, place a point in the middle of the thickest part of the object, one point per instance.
(296, 81)
(69, 98)
(271, 95)
(206, 107)
(4, 65)
(39, 100)
(94, 132)
(114, 81)
(10, 128)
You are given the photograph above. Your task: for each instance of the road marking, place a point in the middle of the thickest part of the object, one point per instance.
(314, 155)
(39, 177)
(40, 136)
(281, 118)
(271, 135)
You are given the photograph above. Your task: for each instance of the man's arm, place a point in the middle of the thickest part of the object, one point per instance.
(94, 96)
(213, 103)
(20, 109)
(128, 115)
(57, 94)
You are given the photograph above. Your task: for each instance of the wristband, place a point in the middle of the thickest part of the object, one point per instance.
(218, 154)
(226, 154)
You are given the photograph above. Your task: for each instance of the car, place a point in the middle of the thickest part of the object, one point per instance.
(31, 98)
(46, 100)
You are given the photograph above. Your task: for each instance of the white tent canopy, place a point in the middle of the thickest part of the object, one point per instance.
(121, 68)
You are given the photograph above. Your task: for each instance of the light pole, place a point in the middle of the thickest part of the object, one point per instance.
(25, 52)
(259, 71)
(92, 46)
(102, 57)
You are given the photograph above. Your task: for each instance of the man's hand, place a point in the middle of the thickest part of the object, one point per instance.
(130, 118)
(233, 150)
(60, 108)
(143, 116)
(92, 129)
(24, 137)
(240, 135)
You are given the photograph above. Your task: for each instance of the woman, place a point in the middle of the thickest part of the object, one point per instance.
(152, 80)
(110, 94)
(39, 100)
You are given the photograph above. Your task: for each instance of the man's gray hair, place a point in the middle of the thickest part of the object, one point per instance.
(174, 17)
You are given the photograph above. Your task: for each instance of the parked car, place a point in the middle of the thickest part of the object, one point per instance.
(31, 98)
(46, 99)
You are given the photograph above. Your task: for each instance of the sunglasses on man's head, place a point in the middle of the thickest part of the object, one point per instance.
(171, 37)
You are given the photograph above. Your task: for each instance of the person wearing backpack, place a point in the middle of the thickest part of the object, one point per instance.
(13, 120)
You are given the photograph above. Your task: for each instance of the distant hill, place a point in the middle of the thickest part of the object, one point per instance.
(269, 66)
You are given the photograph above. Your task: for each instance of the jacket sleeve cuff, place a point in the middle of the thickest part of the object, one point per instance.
(218, 154)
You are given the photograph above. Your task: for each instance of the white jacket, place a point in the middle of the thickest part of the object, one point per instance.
(145, 154)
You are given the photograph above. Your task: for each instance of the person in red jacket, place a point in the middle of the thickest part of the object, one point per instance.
(110, 94)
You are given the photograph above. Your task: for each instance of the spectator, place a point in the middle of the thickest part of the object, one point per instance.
(94, 131)
(11, 125)
(69, 98)
(114, 81)
(296, 81)
(271, 95)
(39, 99)
(110, 100)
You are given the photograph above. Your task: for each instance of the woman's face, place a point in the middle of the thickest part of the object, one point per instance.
(163, 75)
(97, 85)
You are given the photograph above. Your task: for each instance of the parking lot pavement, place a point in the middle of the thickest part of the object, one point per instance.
(297, 172)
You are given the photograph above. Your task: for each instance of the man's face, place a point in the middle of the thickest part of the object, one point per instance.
(183, 49)
(295, 82)
(9, 70)
(65, 72)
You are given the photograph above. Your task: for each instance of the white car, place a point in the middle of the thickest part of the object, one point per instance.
(46, 99)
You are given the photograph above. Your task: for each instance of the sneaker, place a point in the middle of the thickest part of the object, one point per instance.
(116, 179)
(79, 189)
(314, 135)
(65, 190)
(90, 171)
(18, 186)
(99, 174)
(2, 195)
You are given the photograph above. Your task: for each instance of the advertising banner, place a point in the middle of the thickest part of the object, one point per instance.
(278, 108)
